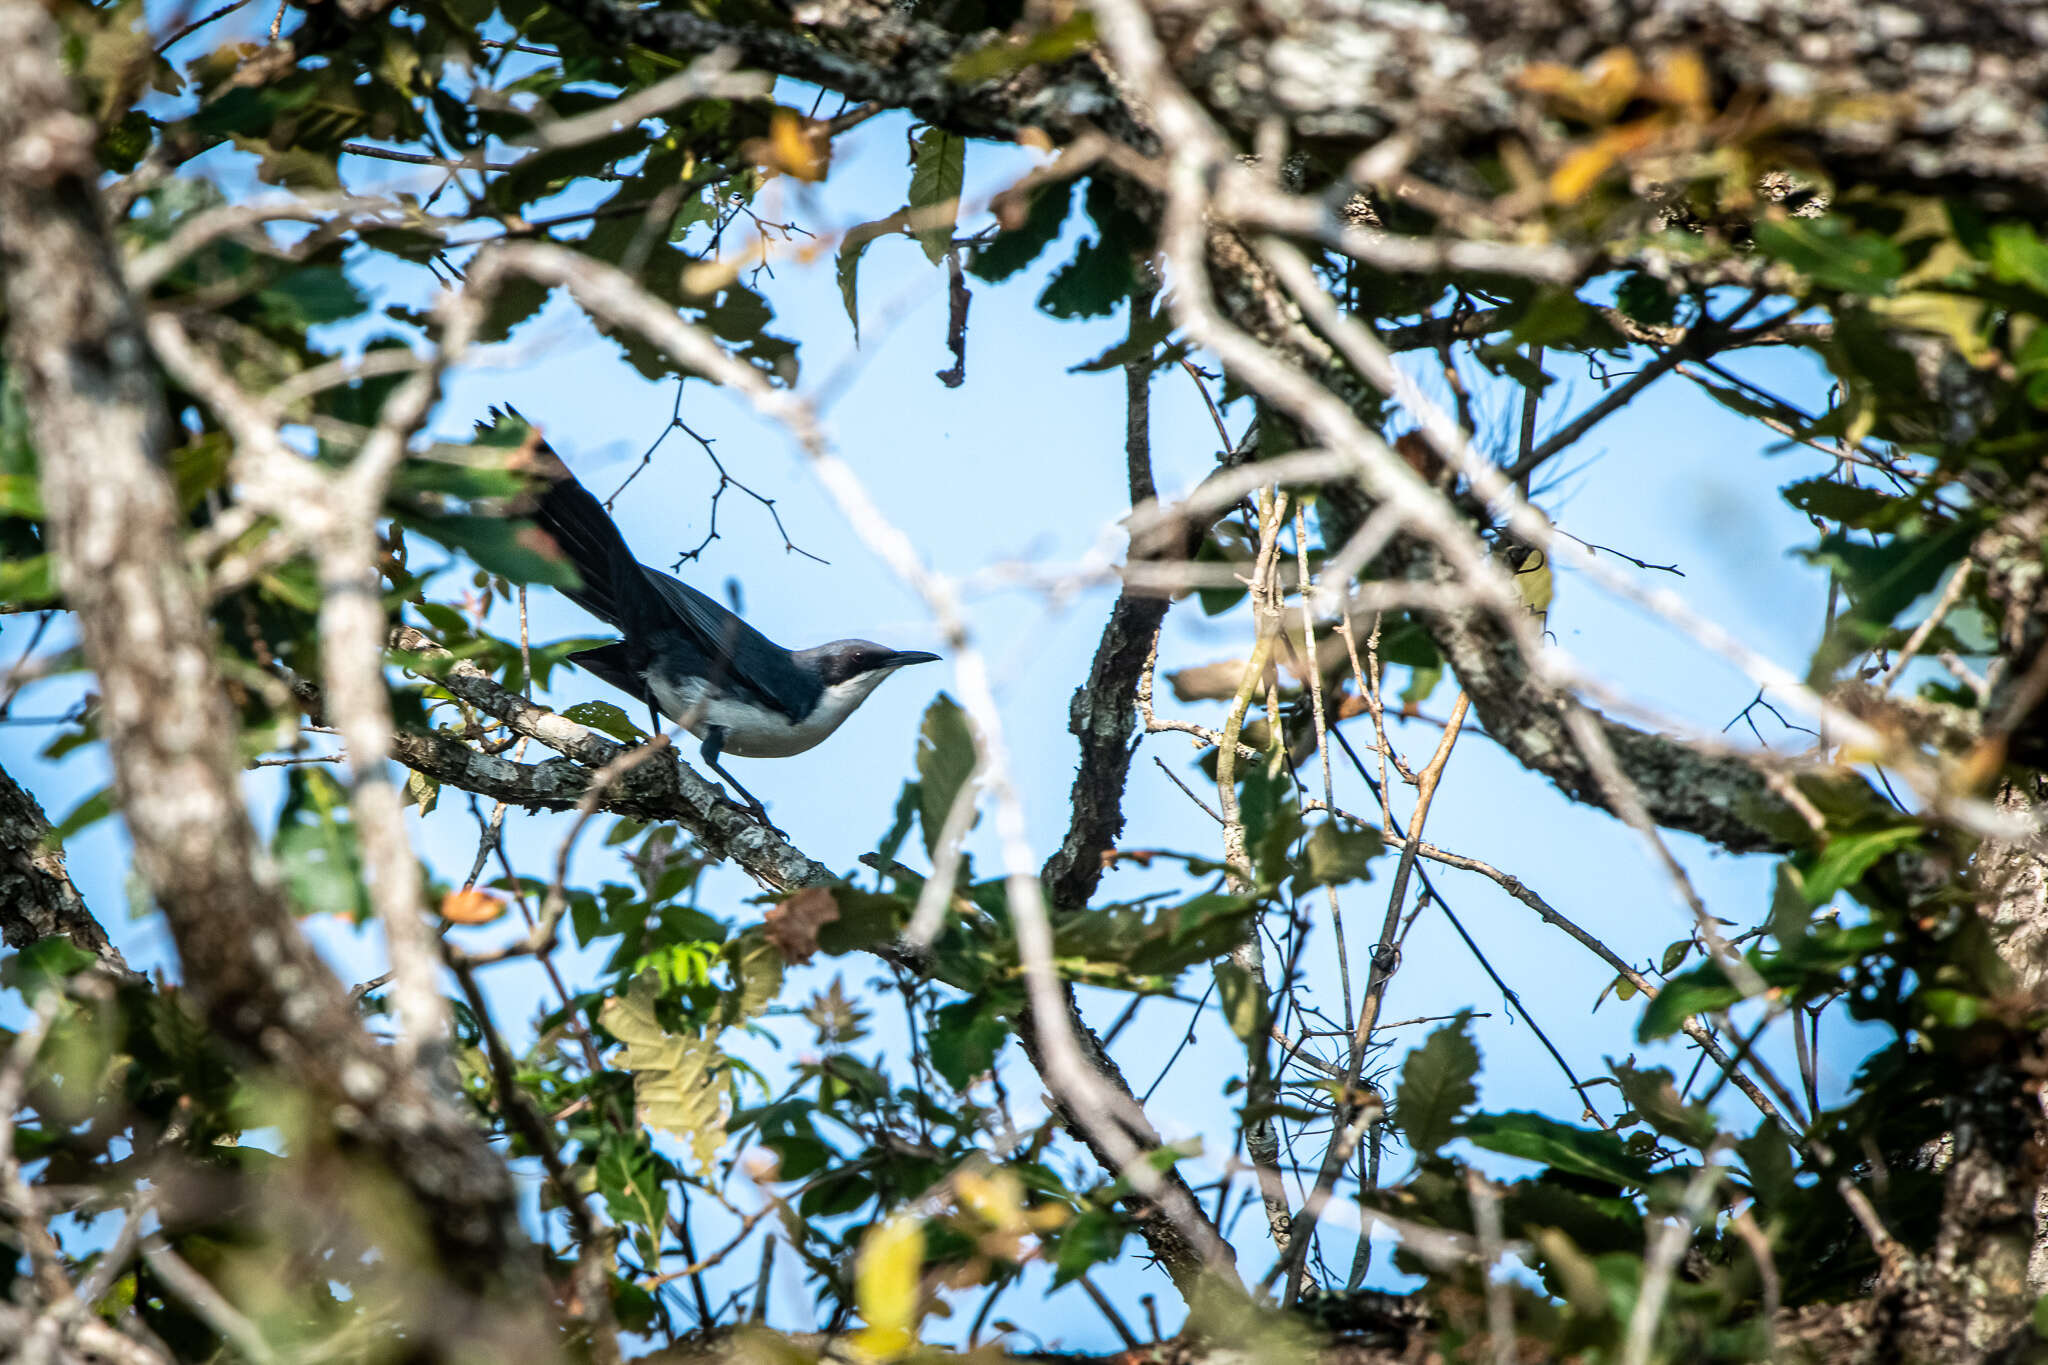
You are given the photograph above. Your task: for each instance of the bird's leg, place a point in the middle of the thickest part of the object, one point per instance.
(714, 744)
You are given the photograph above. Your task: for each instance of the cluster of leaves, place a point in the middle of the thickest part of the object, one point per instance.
(891, 1185)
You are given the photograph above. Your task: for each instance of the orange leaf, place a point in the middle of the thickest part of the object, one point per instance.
(793, 925)
(471, 907)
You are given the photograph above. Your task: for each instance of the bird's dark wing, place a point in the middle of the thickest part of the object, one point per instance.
(737, 653)
(611, 664)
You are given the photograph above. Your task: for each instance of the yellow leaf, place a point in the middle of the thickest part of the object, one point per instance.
(1613, 78)
(887, 1288)
(1580, 171)
(1957, 317)
(1682, 80)
(678, 1079)
(801, 148)
(997, 1199)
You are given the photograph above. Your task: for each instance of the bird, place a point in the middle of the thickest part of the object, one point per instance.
(688, 658)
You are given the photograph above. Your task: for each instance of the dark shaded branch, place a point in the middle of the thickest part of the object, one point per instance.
(37, 898)
(1104, 712)
(868, 50)
(1486, 321)
(75, 342)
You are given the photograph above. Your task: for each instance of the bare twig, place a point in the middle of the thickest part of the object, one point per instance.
(208, 1303)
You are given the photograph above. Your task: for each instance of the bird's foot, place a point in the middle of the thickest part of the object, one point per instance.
(759, 812)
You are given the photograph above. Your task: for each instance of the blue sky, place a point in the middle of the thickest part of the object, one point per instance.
(1024, 465)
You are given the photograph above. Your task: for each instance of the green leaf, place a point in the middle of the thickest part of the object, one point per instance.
(607, 719)
(1882, 581)
(1844, 859)
(1018, 246)
(1646, 299)
(1093, 283)
(1560, 1146)
(1556, 316)
(1768, 1162)
(631, 1179)
(1834, 500)
(1244, 1007)
(1653, 1094)
(1832, 253)
(1951, 1008)
(1151, 941)
(24, 582)
(938, 165)
(21, 496)
(510, 548)
(463, 472)
(1436, 1086)
(1096, 1236)
(1422, 680)
(421, 791)
(966, 1035)
(865, 920)
(2019, 256)
(1104, 270)
(678, 1079)
(945, 762)
(1335, 854)
(45, 965)
(1791, 911)
(1702, 990)
(1674, 955)
(308, 297)
(1143, 343)
(86, 813)
(1003, 54)
(315, 847)
(757, 971)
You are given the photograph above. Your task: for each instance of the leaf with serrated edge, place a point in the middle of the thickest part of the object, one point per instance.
(1436, 1086)
(678, 1079)
(937, 170)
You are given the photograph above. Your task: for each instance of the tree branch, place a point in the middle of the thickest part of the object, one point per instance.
(75, 341)
(37, 898)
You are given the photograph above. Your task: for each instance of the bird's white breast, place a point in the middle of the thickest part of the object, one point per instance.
(752, 732)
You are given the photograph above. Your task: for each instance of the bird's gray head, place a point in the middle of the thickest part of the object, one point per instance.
(850, 670)
(848, 661)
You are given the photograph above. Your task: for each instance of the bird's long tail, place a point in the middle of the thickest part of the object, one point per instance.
(584, 531)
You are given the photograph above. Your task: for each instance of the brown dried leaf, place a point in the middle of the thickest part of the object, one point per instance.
(793, 925)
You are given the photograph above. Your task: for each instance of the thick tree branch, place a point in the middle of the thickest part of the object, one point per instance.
(870, 50)
(75, 342)
(1104, 713)
(37, 898)
(1482, 322)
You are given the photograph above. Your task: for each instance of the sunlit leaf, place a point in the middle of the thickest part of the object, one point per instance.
(678, 1079)
(888, 1288)
(938, 167)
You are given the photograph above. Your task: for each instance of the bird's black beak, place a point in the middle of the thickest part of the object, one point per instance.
(904, 657)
